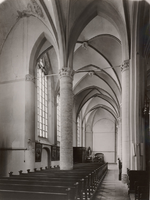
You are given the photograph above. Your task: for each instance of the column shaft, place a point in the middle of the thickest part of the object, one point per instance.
(66, 104)
(120, 140)
(125, 121)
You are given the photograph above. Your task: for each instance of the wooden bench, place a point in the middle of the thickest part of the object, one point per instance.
(46, 178)
(136, 176)
(53, 183)
(137, 185)
(25, 195)
(143, 193)
(41, 182)
(74, 192)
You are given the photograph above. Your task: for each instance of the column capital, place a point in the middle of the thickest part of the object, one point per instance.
(125, 65)
(29, 77)
(66, 72)
(119, 119)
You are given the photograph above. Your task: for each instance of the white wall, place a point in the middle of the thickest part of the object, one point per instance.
(17, 96)
(104, 139)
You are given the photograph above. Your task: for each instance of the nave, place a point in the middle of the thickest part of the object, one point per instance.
(75, 75)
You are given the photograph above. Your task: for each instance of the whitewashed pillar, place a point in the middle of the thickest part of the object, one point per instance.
(120, 138)
(125, 120)
(66, 104)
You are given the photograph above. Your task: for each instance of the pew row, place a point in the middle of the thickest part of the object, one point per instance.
(55, 184)
(138, 184)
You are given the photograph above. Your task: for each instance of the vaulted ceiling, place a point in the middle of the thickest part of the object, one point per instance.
(91, 36)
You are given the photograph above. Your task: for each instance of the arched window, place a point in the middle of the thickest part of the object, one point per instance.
(42, 111)
(58, 119)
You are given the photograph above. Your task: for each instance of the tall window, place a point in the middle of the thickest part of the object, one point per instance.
(58, 119)
(78, 132)
(41, 100)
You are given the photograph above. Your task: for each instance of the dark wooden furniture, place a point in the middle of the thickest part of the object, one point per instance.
(138, 184)
(79, 154)
(53, 183)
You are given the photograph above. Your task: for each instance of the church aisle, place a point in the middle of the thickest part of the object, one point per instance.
(111, 188)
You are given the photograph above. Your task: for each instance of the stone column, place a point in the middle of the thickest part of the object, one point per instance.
(66, 121)
(84, 135)
(125, 120)
(119, 139)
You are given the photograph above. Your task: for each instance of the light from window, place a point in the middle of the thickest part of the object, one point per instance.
(41, 100)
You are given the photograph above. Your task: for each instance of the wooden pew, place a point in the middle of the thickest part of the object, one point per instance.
(137, 185)
(143, 193)
(46, 184)
(26, 195)
(36, 182)
(136, 175)
(46, 178)
(74, 192)
(52, 175)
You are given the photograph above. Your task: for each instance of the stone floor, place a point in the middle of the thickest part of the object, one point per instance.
(111, 188)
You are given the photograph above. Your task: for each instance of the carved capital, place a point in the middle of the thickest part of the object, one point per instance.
(29, 77)
(24, 13)
(66, 72)
(85, 45)
(125, 65)
(32, 8)
(37, 9)
(119, 119)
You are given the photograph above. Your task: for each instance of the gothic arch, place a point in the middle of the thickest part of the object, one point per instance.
(36, 49)
(105, 10)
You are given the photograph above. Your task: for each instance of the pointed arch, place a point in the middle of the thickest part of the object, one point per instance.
(36, 49)
(105, 10)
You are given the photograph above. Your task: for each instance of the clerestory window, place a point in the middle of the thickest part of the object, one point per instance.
(42, 111)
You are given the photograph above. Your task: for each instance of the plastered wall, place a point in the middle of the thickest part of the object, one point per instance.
(17, 97)
(104, 139)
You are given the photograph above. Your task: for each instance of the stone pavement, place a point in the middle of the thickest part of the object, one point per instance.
(111, 188)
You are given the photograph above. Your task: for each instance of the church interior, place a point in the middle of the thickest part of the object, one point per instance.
(75, 86)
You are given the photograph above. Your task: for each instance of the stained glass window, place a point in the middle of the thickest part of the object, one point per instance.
(41, 100)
